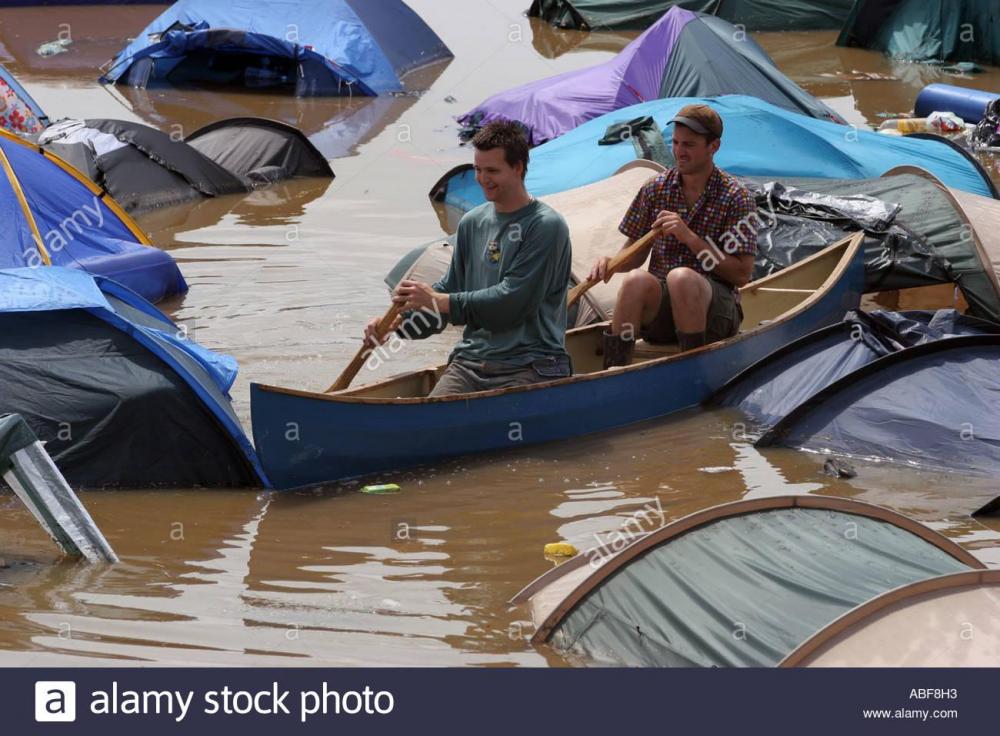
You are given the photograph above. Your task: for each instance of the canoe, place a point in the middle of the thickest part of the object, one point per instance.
(305, 438)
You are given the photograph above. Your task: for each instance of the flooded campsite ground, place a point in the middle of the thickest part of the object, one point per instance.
(284, 279)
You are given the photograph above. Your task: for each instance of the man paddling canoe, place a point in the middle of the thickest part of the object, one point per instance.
(705, 251)
(506, 283)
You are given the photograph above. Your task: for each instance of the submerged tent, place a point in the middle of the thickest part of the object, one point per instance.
(754, 15)
(114, 388)
(55, 216)
(19, 113)
(744, 584)
(935, 406)
(915, 388)
(260, 151)
(915, 627)
(683, 55)
(775, 386)
(313, 47)
(925, 30)
(760, 140)
(919, 232)
(144, 168)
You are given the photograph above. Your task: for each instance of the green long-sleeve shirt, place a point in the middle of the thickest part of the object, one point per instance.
(507, 284)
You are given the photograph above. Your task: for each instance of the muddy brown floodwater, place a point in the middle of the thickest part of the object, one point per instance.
(284, 280)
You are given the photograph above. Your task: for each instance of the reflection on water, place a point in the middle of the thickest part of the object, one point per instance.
(552, 42)
(338, 577)
(336, 126)
(283, 279)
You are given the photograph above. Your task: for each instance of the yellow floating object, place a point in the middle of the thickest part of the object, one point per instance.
(560, 549)
(381, 490)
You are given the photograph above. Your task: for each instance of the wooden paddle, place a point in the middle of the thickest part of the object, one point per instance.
(361, 356)
(582, 288)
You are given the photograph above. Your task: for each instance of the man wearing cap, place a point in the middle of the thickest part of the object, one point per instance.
(704, 251)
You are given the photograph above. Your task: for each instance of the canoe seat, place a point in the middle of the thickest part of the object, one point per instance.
(651, 350)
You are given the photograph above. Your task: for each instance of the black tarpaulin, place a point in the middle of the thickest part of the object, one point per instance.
(917, 235)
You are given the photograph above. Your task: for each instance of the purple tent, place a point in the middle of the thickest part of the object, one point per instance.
(684, 54)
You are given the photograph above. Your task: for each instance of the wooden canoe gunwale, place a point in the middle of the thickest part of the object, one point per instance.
(849, 245)
(686, 524)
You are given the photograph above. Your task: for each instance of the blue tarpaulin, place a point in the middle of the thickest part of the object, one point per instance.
(132, 379)
(319, 47)
(760, 140)
(54, 216)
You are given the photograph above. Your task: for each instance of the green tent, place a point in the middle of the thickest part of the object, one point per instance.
(739, 585)
(958, 231)
(754, 15)
(925, 30)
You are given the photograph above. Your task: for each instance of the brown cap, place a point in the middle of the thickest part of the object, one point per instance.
(701, 119)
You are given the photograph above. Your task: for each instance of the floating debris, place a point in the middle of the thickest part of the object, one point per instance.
(35, 479)
(383, 489)
(839, 469)
(52, 48)
(560, 549)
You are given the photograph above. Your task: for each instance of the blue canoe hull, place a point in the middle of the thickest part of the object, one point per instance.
(306, 439)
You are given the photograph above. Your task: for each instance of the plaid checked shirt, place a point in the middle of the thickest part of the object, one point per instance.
(715, 218)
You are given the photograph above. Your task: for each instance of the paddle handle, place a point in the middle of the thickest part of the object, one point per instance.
(384, 325)
(623, 256)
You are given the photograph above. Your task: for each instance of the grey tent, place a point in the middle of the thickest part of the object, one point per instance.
(739, 585)
(144, 168)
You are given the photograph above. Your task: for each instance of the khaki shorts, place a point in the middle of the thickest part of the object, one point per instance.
(468, 376)
(725, 315)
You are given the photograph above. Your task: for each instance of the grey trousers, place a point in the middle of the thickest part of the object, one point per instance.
(467, 376)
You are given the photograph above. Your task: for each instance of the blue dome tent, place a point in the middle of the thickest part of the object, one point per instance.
(760, 140)
(118, 392)
(54, 216)
(316, 47)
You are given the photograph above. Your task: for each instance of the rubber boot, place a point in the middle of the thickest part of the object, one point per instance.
(617, 350)
(690, 340)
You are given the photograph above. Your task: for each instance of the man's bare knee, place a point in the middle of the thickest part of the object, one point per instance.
(687, 286)
(638, 301)
(641, 286)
